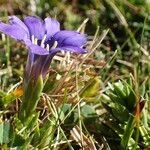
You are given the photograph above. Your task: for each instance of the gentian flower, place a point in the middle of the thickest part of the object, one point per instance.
(43, 39)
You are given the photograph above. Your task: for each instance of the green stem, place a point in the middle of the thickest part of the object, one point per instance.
(32, 92)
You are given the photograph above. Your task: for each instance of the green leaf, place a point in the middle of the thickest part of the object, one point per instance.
(123, 94)
(4, 132)
(146, 135)
(32, 122)
(46, 133)
(116, 99)
(65, 108)
(91, 89)
(18, 141)
(127, 133)
(119, 89)
(2, 94)
(88, 111)
(118, 111)
(10, 97)
(131, 99)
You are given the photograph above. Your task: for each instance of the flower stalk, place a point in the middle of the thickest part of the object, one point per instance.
(32, 92)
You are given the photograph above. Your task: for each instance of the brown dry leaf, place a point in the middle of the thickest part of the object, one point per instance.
(84, 142)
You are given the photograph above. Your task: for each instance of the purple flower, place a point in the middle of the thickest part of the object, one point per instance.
(44, 39)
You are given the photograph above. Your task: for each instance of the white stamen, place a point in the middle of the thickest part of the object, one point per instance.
(54, 45)
(32, 39)
(43, 40)
(35, 41)
(47, 47)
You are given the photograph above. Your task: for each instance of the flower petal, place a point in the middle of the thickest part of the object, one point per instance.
(37, 66)
(29, 64)
(52, 26)
(69, 48)
(16, 21)
(35, 49)
(14, 30)
(70, 38)
(35, 26)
